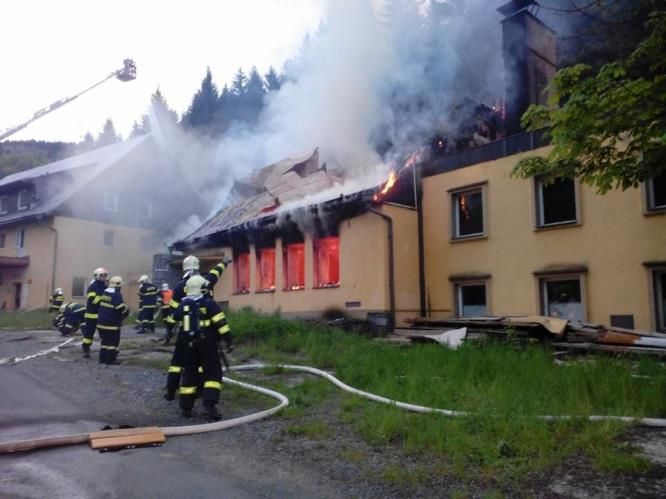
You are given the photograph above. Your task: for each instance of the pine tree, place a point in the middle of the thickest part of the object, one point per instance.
(273, 80)
(239, 84)
(108, 135)
(86, 144)
(201, 113)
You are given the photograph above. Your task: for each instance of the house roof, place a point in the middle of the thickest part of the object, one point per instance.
(79, 170)
(276, 187)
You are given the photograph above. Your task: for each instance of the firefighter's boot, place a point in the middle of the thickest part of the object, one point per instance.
(213, 413)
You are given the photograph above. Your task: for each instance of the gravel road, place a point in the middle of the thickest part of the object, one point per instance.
(278, 462)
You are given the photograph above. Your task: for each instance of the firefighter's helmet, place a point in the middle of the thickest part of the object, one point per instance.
(190, 263)
(99, 272)
(58, 291)
(196, 285)
(116, 281)
(143, 278)
(165, 286)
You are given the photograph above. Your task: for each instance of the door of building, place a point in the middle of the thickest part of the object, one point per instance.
(17, 295)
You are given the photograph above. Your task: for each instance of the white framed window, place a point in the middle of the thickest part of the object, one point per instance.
(109, 238)
(563, 296)
(468, 212)
(656, 193)
(4, 201)
(24, 200)
(556, 202)
(471, 298)
(20, 238)
(145, 208)
(110, 201)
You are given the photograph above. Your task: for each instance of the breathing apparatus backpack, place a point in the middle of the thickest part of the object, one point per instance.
(191, 325)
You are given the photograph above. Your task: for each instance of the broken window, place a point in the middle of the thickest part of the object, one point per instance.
(242, 272)
(656, 191)
(562, 297)
(660, 298)
(468, 213)
(265, 269)
(471, 299)
(556, 202)
(326, 262)
(294, 266)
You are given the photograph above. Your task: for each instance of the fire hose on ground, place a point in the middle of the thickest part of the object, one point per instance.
(172, 431)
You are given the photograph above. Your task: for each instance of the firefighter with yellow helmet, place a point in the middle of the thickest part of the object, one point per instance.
(203, 326)
(112, 312)
(93, 297)
(56, 300)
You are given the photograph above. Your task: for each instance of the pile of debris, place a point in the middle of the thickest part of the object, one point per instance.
(560, 333)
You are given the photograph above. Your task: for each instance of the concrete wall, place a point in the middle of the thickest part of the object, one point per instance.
(81, 249)
(613, 239)
(35, 279)
(363, 272)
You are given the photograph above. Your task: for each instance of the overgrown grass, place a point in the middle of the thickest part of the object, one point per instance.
(505, 388)
(32, 319)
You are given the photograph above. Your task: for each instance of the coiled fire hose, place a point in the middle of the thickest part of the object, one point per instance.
(172, 431)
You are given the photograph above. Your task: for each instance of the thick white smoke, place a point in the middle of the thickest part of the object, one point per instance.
(377, 76)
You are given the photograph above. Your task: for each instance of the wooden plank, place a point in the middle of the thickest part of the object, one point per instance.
(123, 432)
(124, 441)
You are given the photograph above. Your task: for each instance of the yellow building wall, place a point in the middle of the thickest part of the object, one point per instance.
(613, 240)
(363, 272)
(36, 278)
(81, 250)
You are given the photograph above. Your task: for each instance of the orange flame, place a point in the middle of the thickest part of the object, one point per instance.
(387, 186)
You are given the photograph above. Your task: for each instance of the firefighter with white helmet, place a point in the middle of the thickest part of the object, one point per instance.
(147, 305)
(112, 311)
(203, 326)
(190, 269)
(93, 297)
(56, 300)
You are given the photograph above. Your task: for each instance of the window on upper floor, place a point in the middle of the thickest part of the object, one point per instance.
(562, 296)
(20, 238)
(2, 240)
(110, 201)
(656, 193)
(145, 208)
(4, 202)
(241, 270)
(78, 286)
(556, 202)
(326, 262)
(468, 212)
(24, 198)
(109, 238)
(471, 299)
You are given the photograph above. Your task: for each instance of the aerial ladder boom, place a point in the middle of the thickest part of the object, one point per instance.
(126, 73)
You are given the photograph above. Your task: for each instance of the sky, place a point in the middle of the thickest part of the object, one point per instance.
(54, 49)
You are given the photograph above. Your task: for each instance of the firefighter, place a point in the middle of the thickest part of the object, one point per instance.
(203, 325)
(93, 297)
(112, 311)
(147, 306)
(73, 314)
(190, 269)
(165, 299)
(56, 300)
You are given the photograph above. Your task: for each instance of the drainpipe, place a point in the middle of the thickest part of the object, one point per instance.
(418, 188)
(55, 250)
(389, 224)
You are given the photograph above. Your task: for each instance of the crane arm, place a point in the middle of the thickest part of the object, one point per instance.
(127, 73)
